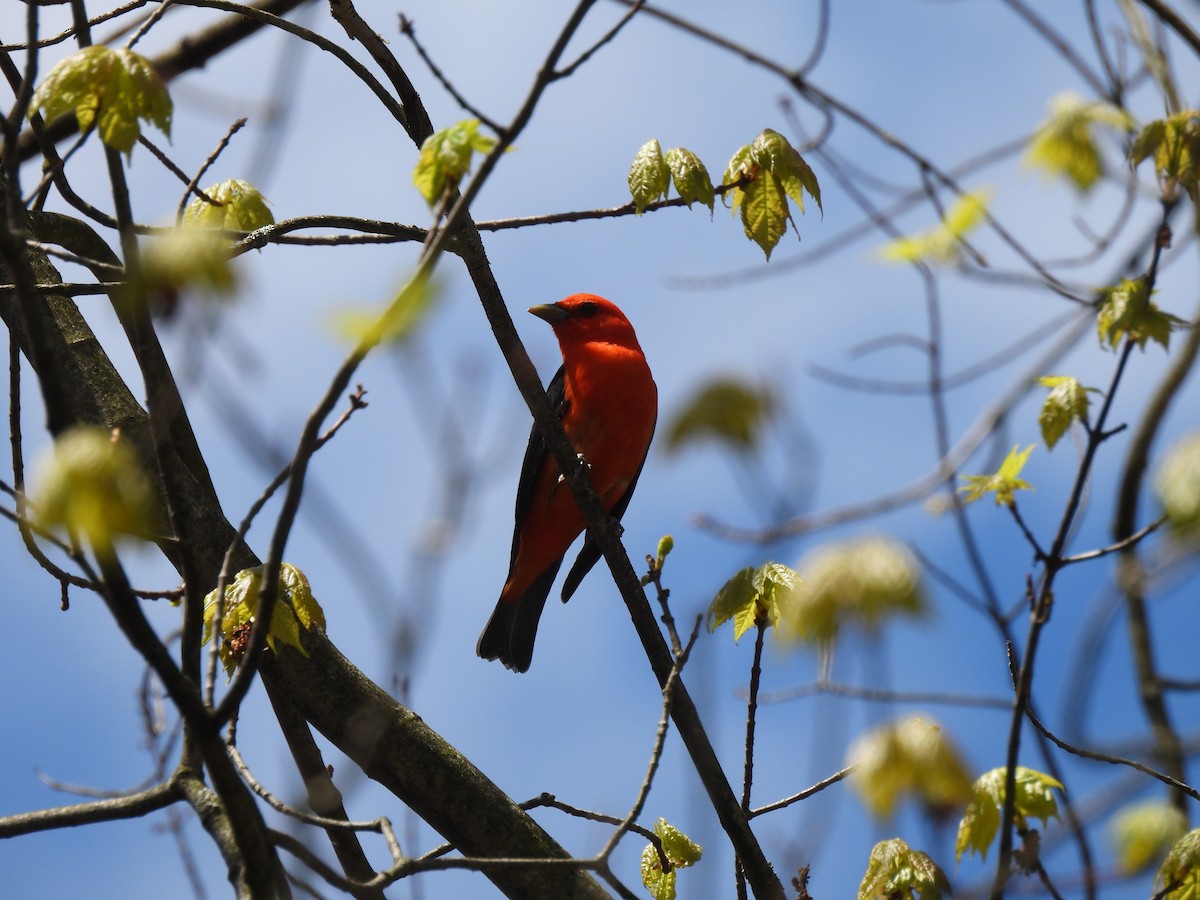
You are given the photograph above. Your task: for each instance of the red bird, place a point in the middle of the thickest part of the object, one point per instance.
(608, 404)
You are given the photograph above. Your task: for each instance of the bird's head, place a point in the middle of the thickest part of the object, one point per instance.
(587, 318)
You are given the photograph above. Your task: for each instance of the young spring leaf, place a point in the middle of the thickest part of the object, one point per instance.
(897, 872)
(768, 171)
(681, 852)
(294, 611)
(239, 207)
(690, 177)
(1128, 312)
(92, 484)
(446, 157)
(649, 177)
(727, 410)
(1067, 402)
(1174, 145)
(861, 581)
(910, 756)
(113, 90)
(943, 243)
(1034, 800)
(1144, 832)
(752, 596)
(1004, 483)
(1178, 877)
(1177, 486)
(1065, 144)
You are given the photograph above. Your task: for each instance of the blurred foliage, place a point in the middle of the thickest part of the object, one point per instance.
(861, 581)
(1065, 144)
(1177, 485)
(91, 483)
(1066, 403)
(1144, 832)
(908, 756)
(943, 243)
(727, 410)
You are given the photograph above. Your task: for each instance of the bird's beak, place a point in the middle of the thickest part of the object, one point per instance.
(550, 312)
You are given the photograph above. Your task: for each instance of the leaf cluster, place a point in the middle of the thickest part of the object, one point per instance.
(1173, 144)
(754, 596)
(446, 157)
(895, 871)
(112, 90)
(652, 173)
(1126, 311)
(681, 852)
(1066, 403)
(1034, 800)
(294, 611)
(1004, 482)
(238, 206)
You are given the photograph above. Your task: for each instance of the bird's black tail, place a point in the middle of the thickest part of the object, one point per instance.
(510, 632)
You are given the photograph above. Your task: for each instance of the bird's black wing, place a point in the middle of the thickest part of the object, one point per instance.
(535, 458)
(590, 553)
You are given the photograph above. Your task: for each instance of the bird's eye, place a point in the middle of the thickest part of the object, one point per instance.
(588, 309)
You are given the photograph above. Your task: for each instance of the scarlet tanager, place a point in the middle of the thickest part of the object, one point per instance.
(608, 404)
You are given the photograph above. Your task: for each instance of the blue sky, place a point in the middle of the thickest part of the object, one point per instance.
(949, 79)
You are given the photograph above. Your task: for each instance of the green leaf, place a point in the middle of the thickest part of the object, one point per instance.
(1065, 144)
(1178, 877)
(752, 596)
(727, 410)
(1067, 402)
(239, 207)
(113, 90)
(942, 243)
(1174, 145)
(1034, 800)
(92, 484)
(773, 171)
(681, 852)
(689, 176)
(1143, 833)
(1177, 485)
(897, 872)
(910, 756)
(1126, 311)
(860, 581)
(446, 157)
(294, 611)
(649, 176)
(1004, 483)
